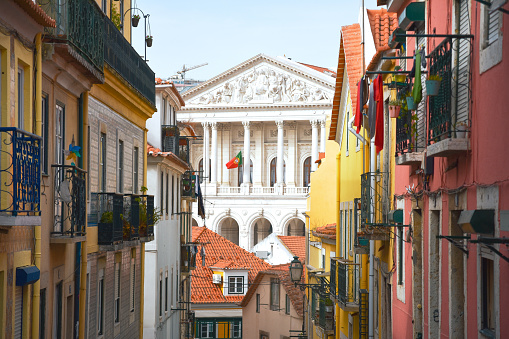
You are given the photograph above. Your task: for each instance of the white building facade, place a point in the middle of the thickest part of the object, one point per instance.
(273, 111)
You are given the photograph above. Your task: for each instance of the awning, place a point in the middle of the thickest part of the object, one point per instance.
(27, 275)
(413, 13)
(477, 221)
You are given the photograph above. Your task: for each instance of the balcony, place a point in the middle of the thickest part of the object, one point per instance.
(408, 149)
(147, 217)
(183, 150)
(189, 185)
(79, 34)
(20, 177)
(375, 206)
(187, 257)
(444, 138)
(70, 204)
(106, 213)
(348, 285)
(322, 311)
(123, 58)
(130, 217)
(170, 138)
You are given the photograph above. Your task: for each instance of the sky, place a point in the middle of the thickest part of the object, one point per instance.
(225, 33)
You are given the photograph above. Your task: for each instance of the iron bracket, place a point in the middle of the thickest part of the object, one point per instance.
(488, 243)
(452, 239)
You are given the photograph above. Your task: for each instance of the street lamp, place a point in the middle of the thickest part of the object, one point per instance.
(148, 38)
(296, 270)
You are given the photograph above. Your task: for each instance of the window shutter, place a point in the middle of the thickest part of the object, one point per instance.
(493, 26)
(18, 312)
(463, 80)
(421, 108)
(132, 281)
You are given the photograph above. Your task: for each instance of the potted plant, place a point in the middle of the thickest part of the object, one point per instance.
(410, 102)
(135, 20)
(394, 108)
(328, 305)
(433, 84)
(461, 129)
(149, 40)
(399, 77)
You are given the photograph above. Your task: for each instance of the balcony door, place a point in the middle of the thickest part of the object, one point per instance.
(240, 173)
(61, 186)
(306, 172)
(273, 172)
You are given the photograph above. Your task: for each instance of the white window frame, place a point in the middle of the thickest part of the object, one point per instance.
(100, 303)
(233, 285)
(21, 98)
(490, 53)
(120, 166)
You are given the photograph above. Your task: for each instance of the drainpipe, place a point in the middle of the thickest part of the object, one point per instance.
(338, 238)
(84, 250)
(353, 131)
(142, 246)
(36, 298)
(372, 167)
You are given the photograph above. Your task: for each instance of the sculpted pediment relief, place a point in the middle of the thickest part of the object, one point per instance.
(262, 84)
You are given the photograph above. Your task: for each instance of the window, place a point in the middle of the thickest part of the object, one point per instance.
(273, 172)
(487, 297)
(59, 134)
(120, 179)
(207, 330)
(350, 230)
(21, 106)
(100, 303)
(491, 39)
(121, 12)
(200, 170)
(322, 257)
(347, 136)
(172, 194)
(136, 154)
(44, 146)
(236, 285)
(102, 162)
(160, 295)
(167, 192)
(161, 202)
(491, 26)
(400, 256)
(257, 302)
(166, 292)
(42, 313)
(241, 172)
(287, 304)
(57, 313)
(274, 294)
(236, 329)
(132, 282)
(104, 6)
(117, 293)
(306, 172)
(165, 118)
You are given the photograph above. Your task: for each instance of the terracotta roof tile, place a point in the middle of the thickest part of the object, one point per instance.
(156, 152)
(36, 12)
(219, 251)
(295, 244)
(382, 24)
(327, 231)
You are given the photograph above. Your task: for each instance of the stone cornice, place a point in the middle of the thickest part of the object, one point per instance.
(249, 63)
(244, 108)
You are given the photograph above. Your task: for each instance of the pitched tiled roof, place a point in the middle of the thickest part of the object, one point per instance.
(350, 57)
(156, 152)
(327, 231)
(219, 251)
(295, 294)
(382, 24)
(295, 244)
(172, 87)
(228, 265)
(321, 69)
(36, 12)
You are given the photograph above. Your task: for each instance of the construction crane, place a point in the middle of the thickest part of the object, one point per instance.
(185, 69)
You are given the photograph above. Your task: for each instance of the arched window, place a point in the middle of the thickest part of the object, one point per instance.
(240, 173)
(262, 229)
(201, 173)
(307, 172)
(273, 172)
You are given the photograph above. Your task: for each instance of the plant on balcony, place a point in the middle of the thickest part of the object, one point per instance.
(328, 304)
(411, 126)
(433, 84)
(149, 40)
(399, 77)
(461, 128)
(127, 230)
(394, 108)
(115, 18)
(135, 20)
(144, 219)
(410, 102)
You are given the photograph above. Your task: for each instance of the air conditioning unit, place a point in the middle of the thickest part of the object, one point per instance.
(262, 254)
(216, 278)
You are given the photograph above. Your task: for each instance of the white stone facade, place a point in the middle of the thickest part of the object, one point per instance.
(268, 109)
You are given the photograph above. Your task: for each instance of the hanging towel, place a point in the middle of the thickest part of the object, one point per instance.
(358, 110)
(379, 97)
(364, 90)
(417, 91)
(372, 111)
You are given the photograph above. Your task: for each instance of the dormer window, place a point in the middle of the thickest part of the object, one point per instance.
(236, 285)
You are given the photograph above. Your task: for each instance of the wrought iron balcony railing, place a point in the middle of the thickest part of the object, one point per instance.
(375, 206)
(406, 141)
(189, 185)
(440, 117)
(70, 201)
(170, 137)
(348, 284)
(146, 203)
(80, 24)
(106, 212)
(188, 257)
(183, 151)
(123, 58)
(131, 217)
(20, 172)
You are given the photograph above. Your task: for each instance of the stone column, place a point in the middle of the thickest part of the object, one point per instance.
(205, 173)
(314, 144)
(258, 166)
(322, 136)
(292, 164)
(280, 154)
(247, 148)
(213, 157)
(226, 145)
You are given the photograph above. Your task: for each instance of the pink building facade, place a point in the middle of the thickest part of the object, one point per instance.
(452, 173)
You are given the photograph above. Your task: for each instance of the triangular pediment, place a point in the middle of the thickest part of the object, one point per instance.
(263, 80)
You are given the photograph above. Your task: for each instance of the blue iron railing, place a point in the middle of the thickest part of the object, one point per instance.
(375, 203)
(81, 24)
(70, 200)
(348, 282)
(440, 121)
(20, 172)
(123, 58)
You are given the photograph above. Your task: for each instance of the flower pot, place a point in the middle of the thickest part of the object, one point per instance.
(432, 87)
(328, 308)
(461, 131)
(400, 77)
(135, 21)
(410, 103)
(394, 111)
(149, 42)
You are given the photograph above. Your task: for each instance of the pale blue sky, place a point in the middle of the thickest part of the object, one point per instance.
(225, 33)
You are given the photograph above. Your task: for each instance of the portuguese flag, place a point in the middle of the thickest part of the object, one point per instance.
(235, 162)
